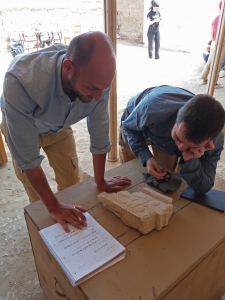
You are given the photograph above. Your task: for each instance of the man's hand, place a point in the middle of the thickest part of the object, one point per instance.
(113, 184)
(154, 169)
(64, 214)
(197, 153)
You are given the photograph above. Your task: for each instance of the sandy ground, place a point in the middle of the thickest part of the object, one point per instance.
(135, 73)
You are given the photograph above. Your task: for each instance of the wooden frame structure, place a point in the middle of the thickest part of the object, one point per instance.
(110, 29)
(214, 73)
(3, 156)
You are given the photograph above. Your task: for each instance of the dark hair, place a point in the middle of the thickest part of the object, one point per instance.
(82, 48)
(154, 3)
(203, 117)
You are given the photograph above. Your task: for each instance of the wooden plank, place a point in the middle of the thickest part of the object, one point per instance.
(3, 156)
(156, 264)
(84, 193)
(160, 260)
(180, 204)
(212, 283)
(123, 233)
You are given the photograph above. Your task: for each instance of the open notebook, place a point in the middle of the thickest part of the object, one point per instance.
(82, 253)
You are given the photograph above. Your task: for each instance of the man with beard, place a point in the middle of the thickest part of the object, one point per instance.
(44, 93)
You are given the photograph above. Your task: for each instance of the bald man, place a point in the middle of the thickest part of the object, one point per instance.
(44, 93)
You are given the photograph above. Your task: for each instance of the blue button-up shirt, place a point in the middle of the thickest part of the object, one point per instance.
(151, 116)
(33, 102)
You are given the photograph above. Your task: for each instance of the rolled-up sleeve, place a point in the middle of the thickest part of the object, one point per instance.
(133, 127)
(21, 130)
(98, 126)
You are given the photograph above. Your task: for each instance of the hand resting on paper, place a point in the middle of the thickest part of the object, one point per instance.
(64, 214)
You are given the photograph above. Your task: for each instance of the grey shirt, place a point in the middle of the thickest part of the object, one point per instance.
(33, 102)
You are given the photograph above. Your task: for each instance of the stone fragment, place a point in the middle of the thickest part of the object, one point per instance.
(144, 211)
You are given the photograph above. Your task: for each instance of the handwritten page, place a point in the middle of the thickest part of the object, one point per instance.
(81, 252)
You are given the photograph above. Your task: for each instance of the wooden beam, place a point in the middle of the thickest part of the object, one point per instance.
(3, 157)
(216, 59)
(110, 29)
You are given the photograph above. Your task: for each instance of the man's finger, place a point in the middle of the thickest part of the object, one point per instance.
(76, 223)
(120, 178)
(80, 220)
(64, 226)
(79, 208)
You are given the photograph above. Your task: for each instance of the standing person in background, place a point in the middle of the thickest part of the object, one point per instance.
(206, 69)
(153, 30)
(206, 57)
(207, 51)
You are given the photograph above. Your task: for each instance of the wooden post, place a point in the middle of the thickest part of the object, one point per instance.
(110, 29)
(3, 157)
(215, 63)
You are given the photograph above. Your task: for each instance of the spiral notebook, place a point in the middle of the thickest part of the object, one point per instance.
(82, 253)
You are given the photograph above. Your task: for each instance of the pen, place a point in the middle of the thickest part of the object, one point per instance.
(166, 178)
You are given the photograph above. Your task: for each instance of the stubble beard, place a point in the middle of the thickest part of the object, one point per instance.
(72, 84)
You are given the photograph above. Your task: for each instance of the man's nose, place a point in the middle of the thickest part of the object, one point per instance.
(97, 95)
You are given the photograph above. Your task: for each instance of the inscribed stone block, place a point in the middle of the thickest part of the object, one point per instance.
(144, 211)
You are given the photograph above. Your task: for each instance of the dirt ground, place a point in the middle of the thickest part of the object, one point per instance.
(135, 72)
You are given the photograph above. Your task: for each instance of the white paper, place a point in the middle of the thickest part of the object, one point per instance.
(81, 252)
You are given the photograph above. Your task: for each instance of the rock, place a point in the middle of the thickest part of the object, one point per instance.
(144, 211)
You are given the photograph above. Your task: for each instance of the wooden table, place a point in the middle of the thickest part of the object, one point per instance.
(183, 261)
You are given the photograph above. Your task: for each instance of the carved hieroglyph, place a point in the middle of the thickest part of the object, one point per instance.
(143, 210)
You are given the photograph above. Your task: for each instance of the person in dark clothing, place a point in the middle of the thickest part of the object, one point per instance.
(153, 30)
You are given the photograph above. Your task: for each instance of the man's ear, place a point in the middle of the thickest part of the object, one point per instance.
(209, 146)
(68, 67)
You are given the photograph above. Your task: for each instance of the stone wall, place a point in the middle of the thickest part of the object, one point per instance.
(130, 20)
